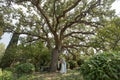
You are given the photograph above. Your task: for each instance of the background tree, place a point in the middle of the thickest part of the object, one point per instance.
(10, 51)
(1, 24)
(64, 25)
(2, 50)
(108, 37)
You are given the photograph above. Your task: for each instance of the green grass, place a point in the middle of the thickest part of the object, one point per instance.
(70, 75)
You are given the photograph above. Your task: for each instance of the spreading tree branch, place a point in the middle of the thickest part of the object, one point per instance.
(46, 18)
(68, 9)
(79, 17)
(77, 32)
(26, 33)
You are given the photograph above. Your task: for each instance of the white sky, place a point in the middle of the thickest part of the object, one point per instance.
(6, 37)
(116, 6)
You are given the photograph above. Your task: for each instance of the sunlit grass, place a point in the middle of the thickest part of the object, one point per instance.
(70, 75)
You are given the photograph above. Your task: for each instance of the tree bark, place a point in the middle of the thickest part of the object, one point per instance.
(54, 60)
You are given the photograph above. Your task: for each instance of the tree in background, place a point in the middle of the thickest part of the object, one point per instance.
(10, 51)
(62, 24)
(1, 24)
(2, 50)
(108, 37)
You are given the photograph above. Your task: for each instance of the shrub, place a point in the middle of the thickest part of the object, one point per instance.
(10, 69)
(25, 68)
(105, 66)
(72, 64)
(81, 59)
(6, 75)
(80, 62)
(36, 53)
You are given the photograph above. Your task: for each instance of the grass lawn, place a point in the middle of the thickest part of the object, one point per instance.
(70, 75)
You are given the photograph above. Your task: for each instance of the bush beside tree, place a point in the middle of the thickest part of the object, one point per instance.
(25, 68)
(105, 66)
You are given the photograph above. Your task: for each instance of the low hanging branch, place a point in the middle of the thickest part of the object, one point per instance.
(26, 33)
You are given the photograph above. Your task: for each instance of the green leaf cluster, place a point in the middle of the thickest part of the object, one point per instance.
(35, 53)
(104, 66)
(25, 68)
(108, 37)
(6, 75)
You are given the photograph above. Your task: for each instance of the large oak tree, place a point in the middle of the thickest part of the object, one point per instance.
(62, 24)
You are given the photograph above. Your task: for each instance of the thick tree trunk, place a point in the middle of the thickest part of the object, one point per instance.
(54, 60)
(8, 57)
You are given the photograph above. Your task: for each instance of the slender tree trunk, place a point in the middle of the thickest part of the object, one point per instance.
(54, 60)
(8, 57)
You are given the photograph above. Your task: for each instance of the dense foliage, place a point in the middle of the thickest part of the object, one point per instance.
(72, 64)
(6, 75)
(35, 53)
(108, 37)
(105, 66)
(25, 68)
